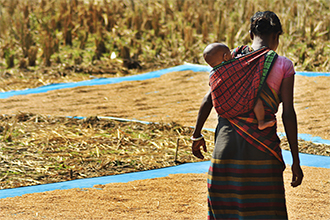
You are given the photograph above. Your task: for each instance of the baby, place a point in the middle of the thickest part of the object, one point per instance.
(216, 53)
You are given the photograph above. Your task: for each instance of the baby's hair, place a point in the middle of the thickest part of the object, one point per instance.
(214, 52)
(264, 23)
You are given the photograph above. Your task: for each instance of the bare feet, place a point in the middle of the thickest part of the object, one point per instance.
(262, 124)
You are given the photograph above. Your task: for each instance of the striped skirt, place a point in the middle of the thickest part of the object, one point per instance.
(243, 182)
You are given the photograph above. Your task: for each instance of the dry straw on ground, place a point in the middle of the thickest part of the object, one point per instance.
(39, 149)
(185, 197)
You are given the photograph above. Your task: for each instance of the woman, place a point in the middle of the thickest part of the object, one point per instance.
(245, 178)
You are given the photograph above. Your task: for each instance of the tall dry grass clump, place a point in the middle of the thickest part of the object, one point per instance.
(157, 33)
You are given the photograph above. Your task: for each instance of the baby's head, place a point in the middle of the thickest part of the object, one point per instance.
(216, 53)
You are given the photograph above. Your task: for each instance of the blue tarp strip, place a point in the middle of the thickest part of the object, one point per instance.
(312, 74)
(308, 137)
(104, 81)
(198, 167)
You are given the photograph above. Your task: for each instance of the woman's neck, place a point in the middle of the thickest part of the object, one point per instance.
(259, 43)
(270, 41)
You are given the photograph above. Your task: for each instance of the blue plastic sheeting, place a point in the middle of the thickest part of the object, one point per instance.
(104, 81)
(308, 137)
(199, 167)
(308, 159)
(312, 74)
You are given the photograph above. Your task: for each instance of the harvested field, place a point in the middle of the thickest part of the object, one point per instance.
(40, 146)
(45, 149)
(39, 149)
(45, 42)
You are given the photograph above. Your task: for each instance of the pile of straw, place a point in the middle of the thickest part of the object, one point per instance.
(38, 149)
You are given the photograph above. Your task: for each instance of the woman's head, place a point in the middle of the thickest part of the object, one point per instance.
(265, 23)
(265, 30)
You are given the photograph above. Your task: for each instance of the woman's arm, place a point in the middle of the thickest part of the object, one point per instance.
(203, 114)
(290, 125)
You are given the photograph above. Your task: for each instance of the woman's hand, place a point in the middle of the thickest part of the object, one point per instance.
(196, 148)
(297, 175)
(203, 114)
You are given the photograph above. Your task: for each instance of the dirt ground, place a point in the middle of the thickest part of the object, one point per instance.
(180, 196)
(172, 97)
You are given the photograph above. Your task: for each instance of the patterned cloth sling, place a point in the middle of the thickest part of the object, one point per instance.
(236, 85)
(246, 125)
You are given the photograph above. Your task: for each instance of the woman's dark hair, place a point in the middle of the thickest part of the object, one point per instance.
(264, 23)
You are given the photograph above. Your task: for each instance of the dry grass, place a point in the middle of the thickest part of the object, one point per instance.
(38, 149)
(157, 33)
(82, 39)
(308, 147)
